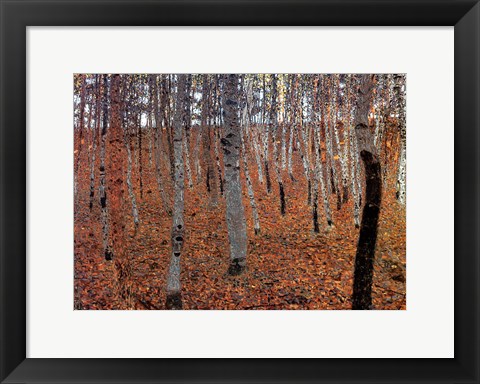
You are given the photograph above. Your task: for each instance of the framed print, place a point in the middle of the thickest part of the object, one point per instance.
(195, 180)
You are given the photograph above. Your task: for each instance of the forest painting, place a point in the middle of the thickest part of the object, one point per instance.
(239, 191)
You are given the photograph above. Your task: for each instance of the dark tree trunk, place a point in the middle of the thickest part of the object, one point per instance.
(364, 258)
(363, 277)
(345, 195)
(282, 198)
(316, 227)
(267, 177)
(332, 181)
(309, 188)
(339, 200)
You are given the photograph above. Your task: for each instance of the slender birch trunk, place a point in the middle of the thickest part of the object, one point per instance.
(210, 178)
(341, 153)
(377, 139)
(103, 184)
(402, 164)
(319, 171)
(188, 126)
(95, 134)
(140, 154)
(254, 135)
(150, 135)
(290, 148)
(391, 109)
(266, 139)
(165, 107)
(216, 132)
(159, 150)
(328, 135)
(245, 125)
(302, 138)
(131, 193)
(257, 152)
(353, 156)
(81, 124)
(286, 125)
(251, 194)
(274, 122)
(198, 167)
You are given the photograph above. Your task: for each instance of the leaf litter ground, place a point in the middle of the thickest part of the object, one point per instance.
(289, 266)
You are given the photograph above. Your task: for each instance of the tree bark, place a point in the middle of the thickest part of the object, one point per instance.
(274, 133)
(159, 150)
(340, 152)
(174, 298)
(103, 183)
(188, 126)
(266, 134)
(244, 133)
(364, 258)
(329, 132)
(165, 111)
(81, 124)
(237, 231)
(319, 173)
(210, 177)
(353, 156)
(95, 134)
(402, 163)
(131, 193)
(140, 156)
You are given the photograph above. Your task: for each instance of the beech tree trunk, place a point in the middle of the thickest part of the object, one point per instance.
(237, 230)
(402, 163)
(247, 109)
(274, 133)
(319, 172)
(159, 150)
(188, 126)
(81, 124)
(131, 193)
(210, 177)
(266, 134)
(174, 297)
(340, 152)
(165, 110)
(103, 184)
(140, 162)
(353, 157)
(95, 134)
(364, 258)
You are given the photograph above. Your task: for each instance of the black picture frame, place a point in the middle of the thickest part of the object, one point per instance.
(16, 15)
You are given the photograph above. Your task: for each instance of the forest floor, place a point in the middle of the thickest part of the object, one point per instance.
(289, 266)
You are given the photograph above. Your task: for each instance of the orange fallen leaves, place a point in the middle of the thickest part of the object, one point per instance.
(289, 266)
